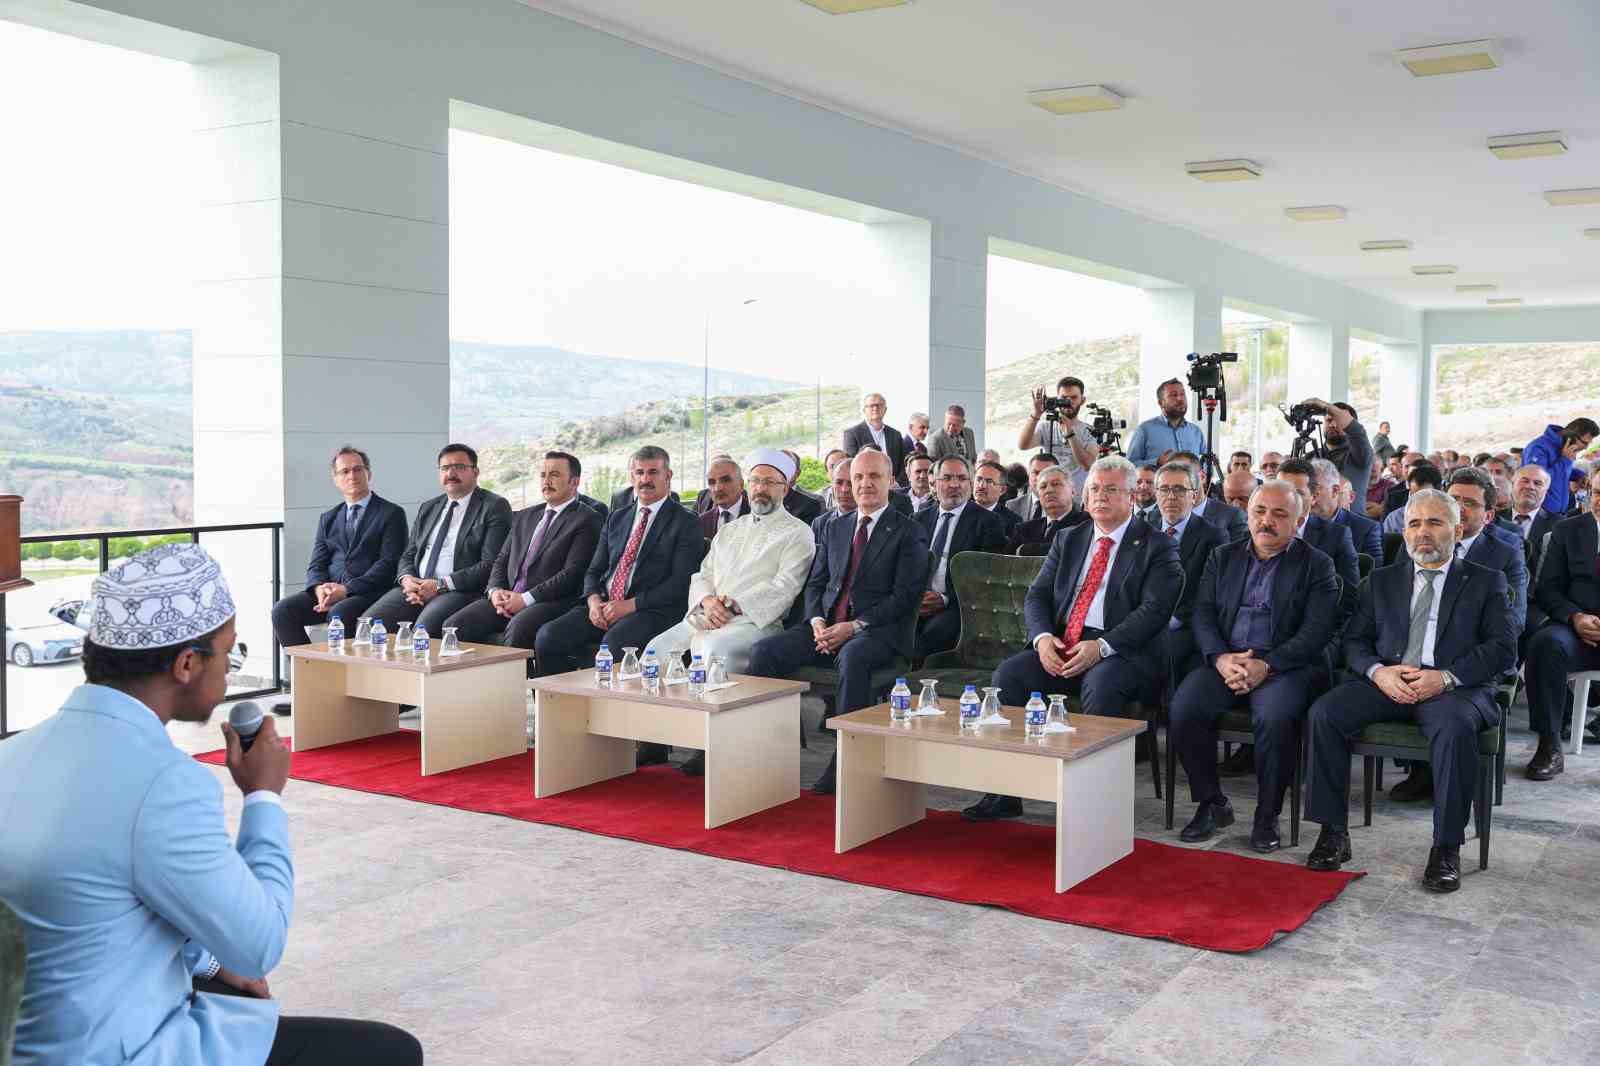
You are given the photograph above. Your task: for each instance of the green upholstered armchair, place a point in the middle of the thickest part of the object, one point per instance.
(13, 968)
(990, 589)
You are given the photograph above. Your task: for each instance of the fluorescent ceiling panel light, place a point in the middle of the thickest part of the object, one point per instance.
(850, 7)
(1076, 99)
(1571, 197)
(1504, 301)
(1434, 268)
(1224, 170)
(1528, 145)
(1325, 213)
(1450, 58)
(1385, 246)
(1477, 288)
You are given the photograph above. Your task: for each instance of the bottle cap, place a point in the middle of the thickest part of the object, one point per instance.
(1033, 696)
(899, 680)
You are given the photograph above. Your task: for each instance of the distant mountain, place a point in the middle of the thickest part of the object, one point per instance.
(146, 367)
(1108, 367)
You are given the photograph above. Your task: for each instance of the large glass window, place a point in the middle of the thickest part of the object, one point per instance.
(1490, 397)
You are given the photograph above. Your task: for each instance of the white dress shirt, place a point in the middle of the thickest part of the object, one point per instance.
(1418, 583)
(555, 516)
(1096, 618)
(877, 437)
(1524, 522)
(738, 510)
(447, 554)
(941, 565)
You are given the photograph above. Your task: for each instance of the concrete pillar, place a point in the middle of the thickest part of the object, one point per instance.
(1319, 361)
(1179, 321)
(960, 296)
(1405, 393)
(895, 359)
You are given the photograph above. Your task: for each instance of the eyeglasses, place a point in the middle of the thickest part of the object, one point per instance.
(349, 471)
(454, 468)
(1173, 490)
(765, 482)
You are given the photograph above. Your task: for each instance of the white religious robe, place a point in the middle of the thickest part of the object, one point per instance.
(761, 563)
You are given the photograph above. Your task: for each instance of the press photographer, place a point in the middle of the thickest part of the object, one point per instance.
(1054, 427)
(1345, 442)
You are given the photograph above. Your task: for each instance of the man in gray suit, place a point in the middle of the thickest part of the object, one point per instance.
(955, 438)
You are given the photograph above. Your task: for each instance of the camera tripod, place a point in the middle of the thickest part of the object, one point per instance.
(1211, 398)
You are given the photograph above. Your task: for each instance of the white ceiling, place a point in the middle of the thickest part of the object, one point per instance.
(1311, 91)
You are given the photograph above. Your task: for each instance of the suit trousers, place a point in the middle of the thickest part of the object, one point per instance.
(435, 614)
(1276, 708)
(1554, 652)
(733, 642)
(782, 655)
(294, 612)
(478, 621)
(1106, 688)
(938, 632)
(304, 1041)
(1450, 722)
(564, 643)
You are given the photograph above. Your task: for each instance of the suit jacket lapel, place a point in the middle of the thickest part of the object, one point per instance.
(1232, 591)
(474, 509)
(1454, 582)
(887, 521)
(1284, 583)
(1073, 551)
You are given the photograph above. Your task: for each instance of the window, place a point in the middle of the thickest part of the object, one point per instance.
(1489, 397)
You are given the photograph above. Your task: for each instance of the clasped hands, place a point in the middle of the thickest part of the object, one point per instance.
(505, 602)
(1587, 626)
(932, 603)
(1408, 684)
(831, 638)
(328, 594)
(604, 614)
(718, 611)
(420, 592)
(1059, 661)
(1241, 671)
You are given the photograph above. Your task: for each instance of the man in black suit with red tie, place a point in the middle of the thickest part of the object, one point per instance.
(866, 579)
(955, 525)
(538, 574)
(1095, 613)
(1428, 642)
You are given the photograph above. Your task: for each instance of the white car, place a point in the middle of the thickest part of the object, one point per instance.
(71, 611)
(42, 642)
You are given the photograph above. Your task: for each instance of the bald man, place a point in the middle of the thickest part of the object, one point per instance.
(1236, 489)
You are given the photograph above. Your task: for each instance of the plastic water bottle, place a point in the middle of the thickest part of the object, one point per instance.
(380, 636)
(336, 634)
(971, 707)
(697, 676)
(900, 701)
(419, 641)
(650, 671)
(1036, 717)
(602, 667)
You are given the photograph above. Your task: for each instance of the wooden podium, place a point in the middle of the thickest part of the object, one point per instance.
(11, 545)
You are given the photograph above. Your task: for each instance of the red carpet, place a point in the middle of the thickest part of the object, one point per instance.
(1214, 900)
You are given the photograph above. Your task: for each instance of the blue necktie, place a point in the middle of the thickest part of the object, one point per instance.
(352, 516)
(438, 541)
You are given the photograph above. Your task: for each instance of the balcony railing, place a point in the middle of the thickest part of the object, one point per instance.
(102, 553)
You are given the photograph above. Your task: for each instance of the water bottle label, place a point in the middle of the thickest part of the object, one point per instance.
(697, 675)
(900, 703)
(651, 671)
(1036, 716)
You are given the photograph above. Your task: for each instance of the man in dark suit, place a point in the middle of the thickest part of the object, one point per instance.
(1263, 619)
(988, 482)
(956, 525)
(538, 574)
(1053, 488)
(1095, 613)
(353, 559)
(1229, 521)
(797, 501)
(1331, 539)
(622, 499)
(918, 491)
(1569, 593)
(1428, 642)
(638, 579)
(1325, 504)
(1397, 496)
(724, 495)
(865, 581)
(1175, 490)
(1528, 515)
(1026, 505)
(452, 548)
(874, 431)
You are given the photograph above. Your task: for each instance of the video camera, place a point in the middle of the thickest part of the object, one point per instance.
(1104, 429)
(1205, 371)
(1307, 423)
(1054, 406)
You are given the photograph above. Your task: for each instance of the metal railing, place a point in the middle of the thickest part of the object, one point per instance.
(103, 539)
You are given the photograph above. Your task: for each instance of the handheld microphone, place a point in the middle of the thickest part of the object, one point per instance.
(246, 720)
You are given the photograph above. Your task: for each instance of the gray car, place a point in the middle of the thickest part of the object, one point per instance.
(46, 642)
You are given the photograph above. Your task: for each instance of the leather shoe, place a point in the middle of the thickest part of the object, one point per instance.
(1332, 850)
(1264, 836)
(694, 765)
(992, 808)
(651, 755)
(1241, 763)
(1212, 816)
(1443, 873)
(1547, 761)
(825, 785)
(1417, 786)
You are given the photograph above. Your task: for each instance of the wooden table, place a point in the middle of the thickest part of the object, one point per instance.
(750, 734)
(884, 766)
(474, 707)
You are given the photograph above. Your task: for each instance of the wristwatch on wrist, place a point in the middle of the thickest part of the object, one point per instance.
(1449, 680)
(858, 625)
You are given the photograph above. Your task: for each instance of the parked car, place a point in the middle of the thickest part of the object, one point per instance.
(44, 642)
(71, 611)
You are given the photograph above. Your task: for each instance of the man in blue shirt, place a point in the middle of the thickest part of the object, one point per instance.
(1169, 431)
(1554, 450)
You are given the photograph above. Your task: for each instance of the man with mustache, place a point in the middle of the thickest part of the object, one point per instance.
(1428, 642)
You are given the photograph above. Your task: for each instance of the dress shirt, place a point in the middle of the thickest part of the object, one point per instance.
(1524, 522)
(877, 437)
(555, 516)
(1252, 625)
(1096, 618)
(919, 502)
(447, 554)
(738, 510)
(941, 565)
(1464, 546)
(1156, 435)
(1395, 520)
(351, 505)
(1418, 582)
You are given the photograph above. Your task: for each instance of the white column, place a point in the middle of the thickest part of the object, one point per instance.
(1319, 361)
(1179, 321)
(1403, 394)
(895, 360)
(960, 295)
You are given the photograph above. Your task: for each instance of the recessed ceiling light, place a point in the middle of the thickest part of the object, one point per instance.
(1570, 197)
(1385, 246)
(1504, 301)
(1434, 268)
(1325, 213)
(1527, 145)
(1477, 288)
(1076, 99)
(1224, 170)
(1450, 58)
(850, 7)
(1592, 234)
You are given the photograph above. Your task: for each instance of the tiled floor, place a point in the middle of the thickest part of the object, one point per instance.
(501, 942)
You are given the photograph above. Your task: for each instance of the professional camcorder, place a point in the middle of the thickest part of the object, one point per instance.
(1055, 406)
(1205, 371)
(1307, 422)
(1104, 429)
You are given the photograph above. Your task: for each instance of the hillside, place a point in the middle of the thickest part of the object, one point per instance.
(1109, 367)
(1487, 402)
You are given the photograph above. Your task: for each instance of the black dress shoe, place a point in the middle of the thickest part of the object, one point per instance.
(1417, 786)
(1264, 836)
(694, 765)
(1332, 850)
(1443, 873)
(1241, 763)
(281, 709)
(824, 785)
(1211, 816)
(1547, 761)
(651, 755)
(992, 808)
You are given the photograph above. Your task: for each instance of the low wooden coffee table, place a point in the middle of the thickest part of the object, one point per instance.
(1088, 775)
(474, 706)
(750, 734)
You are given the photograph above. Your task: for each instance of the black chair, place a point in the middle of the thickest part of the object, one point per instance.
(1364, 564)
(1393, 545)
(1403, 740)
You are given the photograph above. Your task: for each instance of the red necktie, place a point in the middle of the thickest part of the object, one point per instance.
(858, 547)
(1091, 585)
(619, 578)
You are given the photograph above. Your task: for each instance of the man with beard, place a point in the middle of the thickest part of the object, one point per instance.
(1068, 439)
(1144, 488)
(1428, 642)
(1169, 431)
(954, 526)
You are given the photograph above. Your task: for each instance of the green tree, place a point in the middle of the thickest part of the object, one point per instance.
(67, 550)
(813, 478)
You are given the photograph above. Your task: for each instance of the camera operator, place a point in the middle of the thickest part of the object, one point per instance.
(1346, 444)
(1170, 431)
(1066, 438)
